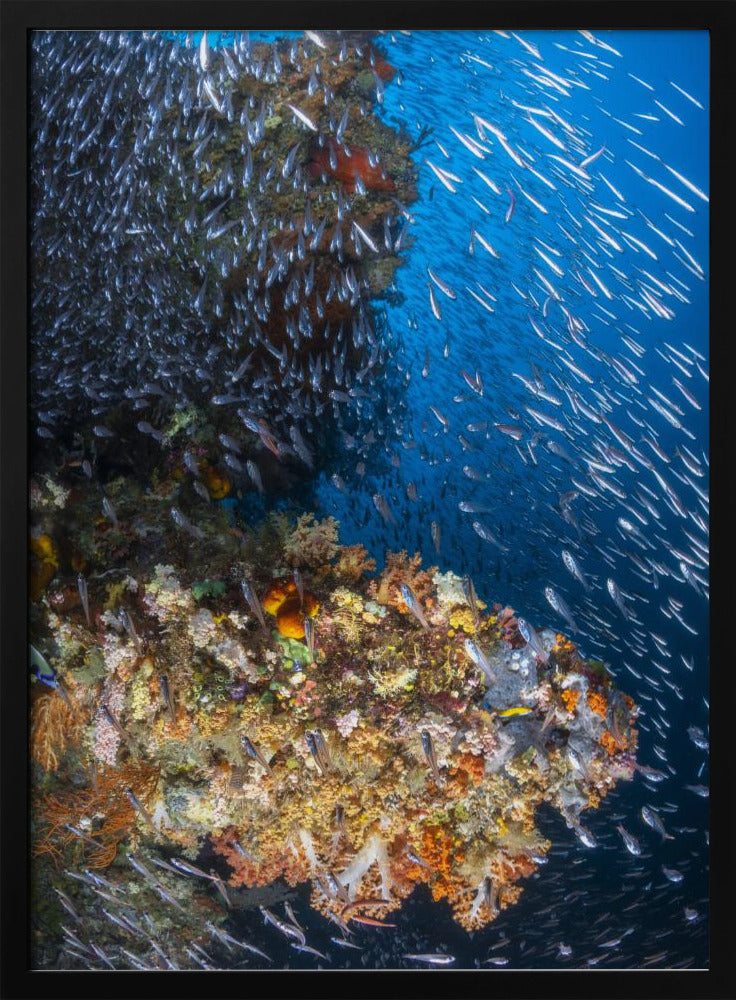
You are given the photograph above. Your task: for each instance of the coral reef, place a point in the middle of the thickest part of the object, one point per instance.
(374, 760)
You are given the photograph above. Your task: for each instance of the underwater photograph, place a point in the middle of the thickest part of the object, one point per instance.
(369, 499)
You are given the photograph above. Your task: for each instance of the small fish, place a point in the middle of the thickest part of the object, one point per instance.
(127, 622)
(531, 637)
(480, 659)
(431, 958)
(242, 851)
(490, 895)
(67, 904)
(632, 844)
(201, 490)
(318, 749)
(309, 636)
(166, 694)
(299, 584)
(139, 807)
(113, 722)
(379, 502)
(253, 603)
(443, 287)
(345, 944)
(304, 119)
(672, 874)
(698, 737)
(471, 598)
(416, 860)
(370, 922)
(650, 772)
(436, 536)
(109, 512)
(512, 205)
(286, 929)
(513, 432)
(652, 819)
(82, 587)
(515, 712)
(307, 949)
(189, 869)
(290, 914)
(429, 753)
(413, 604)
(617, 598)
(571, 564)
(204, 53)
(254, 753)
(185, 524)
(487, 535)
(560, 606)
(702, 790)
(255, 475)
(584, 835)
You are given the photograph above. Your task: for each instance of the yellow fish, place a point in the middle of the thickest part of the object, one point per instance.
(510, 713)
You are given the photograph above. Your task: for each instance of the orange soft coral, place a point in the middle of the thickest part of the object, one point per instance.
(54, 726)
(283, 601)
(570, 696)
(332, 161)
(443, 853)
(217, 483)
(400, 568)
(353, 562)
(259, 866)
(597, 703)
(610, 744)
(105, 802)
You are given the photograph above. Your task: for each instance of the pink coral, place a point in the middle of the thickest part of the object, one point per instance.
(106, 739)
(347, 723)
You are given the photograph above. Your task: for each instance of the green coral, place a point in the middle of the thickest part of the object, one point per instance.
(92, 669)
(295, 652)
(181, 419)
(208, 588)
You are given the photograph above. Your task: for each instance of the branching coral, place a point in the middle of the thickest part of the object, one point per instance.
(353, 562)
(312, 543)
(55, 725)
(98, 816)
(401, 568)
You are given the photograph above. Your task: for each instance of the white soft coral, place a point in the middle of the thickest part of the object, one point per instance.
(373, 852)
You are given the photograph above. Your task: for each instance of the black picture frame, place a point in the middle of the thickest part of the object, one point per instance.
(17, 20)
